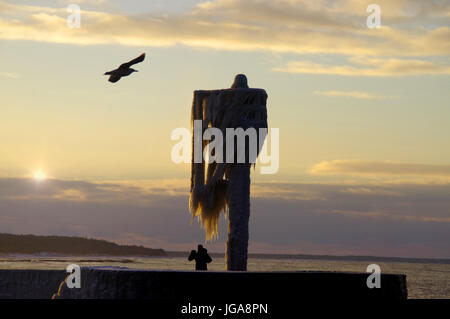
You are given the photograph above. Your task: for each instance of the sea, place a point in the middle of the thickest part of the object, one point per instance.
(424, 280)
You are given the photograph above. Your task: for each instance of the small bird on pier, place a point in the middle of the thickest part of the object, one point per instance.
(124, 69)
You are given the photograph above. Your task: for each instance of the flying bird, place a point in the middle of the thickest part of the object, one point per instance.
(124, 69)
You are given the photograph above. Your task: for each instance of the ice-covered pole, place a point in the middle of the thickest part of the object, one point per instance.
(238, 198)
(220, 186)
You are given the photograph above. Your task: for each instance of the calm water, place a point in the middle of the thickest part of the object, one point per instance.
(424, 280)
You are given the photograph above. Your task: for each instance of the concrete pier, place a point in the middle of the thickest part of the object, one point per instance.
(113, 283)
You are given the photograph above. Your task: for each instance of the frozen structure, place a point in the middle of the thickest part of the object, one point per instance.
(216, 186)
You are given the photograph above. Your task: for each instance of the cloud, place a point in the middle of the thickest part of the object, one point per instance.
(139, 192)
(368, 67)
(371, 168)
(325, 10)
(351, 94)
(9, 75)
(414, 32)
(94, 2)
(406, 219)
(388, 216)
(301, 27)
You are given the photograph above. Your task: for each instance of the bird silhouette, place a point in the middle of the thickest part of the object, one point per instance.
(124, 69)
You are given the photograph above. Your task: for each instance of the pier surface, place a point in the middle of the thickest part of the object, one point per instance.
(208, 286)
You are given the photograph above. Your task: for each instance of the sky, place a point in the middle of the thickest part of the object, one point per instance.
(363, 115)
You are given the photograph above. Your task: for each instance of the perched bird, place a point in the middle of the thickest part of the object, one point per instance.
(124, 69)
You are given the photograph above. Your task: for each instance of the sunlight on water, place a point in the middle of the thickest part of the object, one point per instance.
(424, 280)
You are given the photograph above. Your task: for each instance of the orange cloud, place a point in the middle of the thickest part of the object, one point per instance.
(280, 26)
(351, 94)
(368, 67)
(356, 167)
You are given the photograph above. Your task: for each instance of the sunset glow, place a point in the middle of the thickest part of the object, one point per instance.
(39, 175)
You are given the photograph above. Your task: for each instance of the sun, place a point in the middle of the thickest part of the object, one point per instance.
(39, 175)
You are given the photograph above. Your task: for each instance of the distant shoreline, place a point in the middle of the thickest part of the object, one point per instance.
(183, 254)
(328, 257)
(45, 246)
(33, 246)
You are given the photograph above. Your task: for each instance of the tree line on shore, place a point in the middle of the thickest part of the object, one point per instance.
(64, 245)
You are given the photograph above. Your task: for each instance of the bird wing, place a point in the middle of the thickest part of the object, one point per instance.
(134, 61)
(114, 78)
